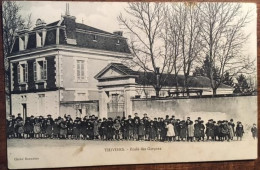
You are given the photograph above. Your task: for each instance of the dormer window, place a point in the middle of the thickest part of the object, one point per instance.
(21, 43)
(22, 72)
(95, 38)
(38, 39)
(118, 42)
(23, 40)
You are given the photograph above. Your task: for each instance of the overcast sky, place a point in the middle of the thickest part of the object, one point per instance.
(97, 14)
(103, 15)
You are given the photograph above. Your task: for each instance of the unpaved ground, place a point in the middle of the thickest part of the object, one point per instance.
(25, 153)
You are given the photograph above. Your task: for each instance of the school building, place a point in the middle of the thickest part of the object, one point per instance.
(67, 67)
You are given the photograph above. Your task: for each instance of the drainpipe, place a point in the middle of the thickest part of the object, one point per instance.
(9, 87)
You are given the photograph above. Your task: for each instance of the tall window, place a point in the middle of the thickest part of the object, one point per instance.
(22, 70)
(38, 39)
(80, 70)
(40, 70)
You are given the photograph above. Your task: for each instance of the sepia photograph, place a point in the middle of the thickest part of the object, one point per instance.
(112, 83)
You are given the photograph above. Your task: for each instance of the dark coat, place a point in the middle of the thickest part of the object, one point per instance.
(83, 128)
(63, 128)
(216, 130)
(152, 132)
(70, 128)
(110, 130)
(177, 128)
(210, 129)
(254, 131)
(225, 129)
(27, 127)
(183, 130)
(197, 130)
(48, 129)
(141, 130)
(135, 128)
(239, 131)
(124, 130)
(103, 128)
(147, 124)
(202, 130)
(90, 128)
(76, 129)
(130, 127)
(56, 129)
(10, 129)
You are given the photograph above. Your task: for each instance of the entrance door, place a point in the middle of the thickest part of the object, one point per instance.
(116, 106)
(24, 111)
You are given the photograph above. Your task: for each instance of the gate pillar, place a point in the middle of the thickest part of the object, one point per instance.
(129, 93)
(103, 98)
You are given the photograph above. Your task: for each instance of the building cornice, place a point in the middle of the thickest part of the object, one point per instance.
(69, 48)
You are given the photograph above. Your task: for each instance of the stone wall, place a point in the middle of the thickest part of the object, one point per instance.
(72, 108)
(242, 108)
(49, 105)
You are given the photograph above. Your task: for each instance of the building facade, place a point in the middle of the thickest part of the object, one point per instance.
(67, 67)
(53, 67)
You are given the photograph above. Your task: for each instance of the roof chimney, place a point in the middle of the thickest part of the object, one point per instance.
(120, 33)
(70, 23)
(67, 12)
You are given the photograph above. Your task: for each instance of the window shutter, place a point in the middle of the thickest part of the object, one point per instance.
(18, 72)
(26, 72)
(86, 69)
(82, 70)
(34, 71)
(75, 69)
(45, 70)
(78, 70)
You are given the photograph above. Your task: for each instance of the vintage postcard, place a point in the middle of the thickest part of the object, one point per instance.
(109, 83)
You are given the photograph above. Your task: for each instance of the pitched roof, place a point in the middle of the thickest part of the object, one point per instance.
(83, 27)
(124, 68)
(89, 28)
(119, 67)
(148, 78)
(90, 37)
(53, 23)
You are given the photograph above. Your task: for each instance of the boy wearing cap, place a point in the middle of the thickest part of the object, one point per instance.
(254, 131)
(103, 129)
(177, 129)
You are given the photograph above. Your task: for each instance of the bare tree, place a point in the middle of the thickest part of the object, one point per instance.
(223, 36)
(191, 45)
(145, 22)
(185, 27)
(12, 20)
(173, 36)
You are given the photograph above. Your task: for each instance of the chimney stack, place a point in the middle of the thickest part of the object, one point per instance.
(67, 12)
(119, 33)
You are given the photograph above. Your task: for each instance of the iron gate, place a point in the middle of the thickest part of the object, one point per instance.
(115, 109)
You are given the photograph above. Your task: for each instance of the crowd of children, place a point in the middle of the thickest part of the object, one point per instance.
(131, 128)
